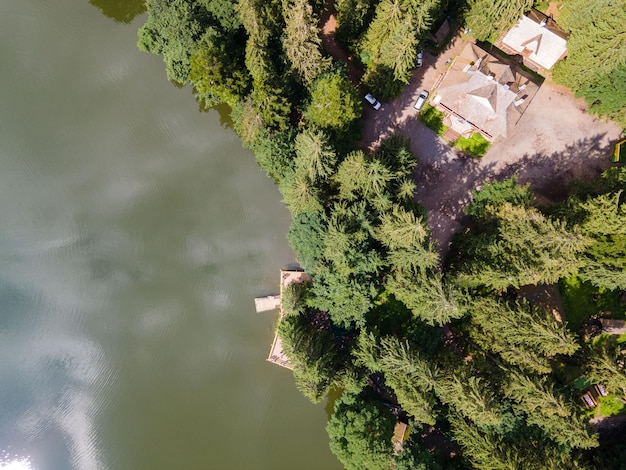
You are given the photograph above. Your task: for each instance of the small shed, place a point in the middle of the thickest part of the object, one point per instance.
(612, 326)
(400, 433)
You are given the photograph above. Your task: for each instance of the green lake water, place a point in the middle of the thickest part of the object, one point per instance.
(135, 232)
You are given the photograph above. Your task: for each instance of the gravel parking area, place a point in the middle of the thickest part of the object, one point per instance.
(553, 143)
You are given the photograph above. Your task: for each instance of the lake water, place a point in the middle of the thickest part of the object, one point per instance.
(135, 233)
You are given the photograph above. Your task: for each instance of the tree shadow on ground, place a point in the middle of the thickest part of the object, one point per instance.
(550, 175)
(445, 180)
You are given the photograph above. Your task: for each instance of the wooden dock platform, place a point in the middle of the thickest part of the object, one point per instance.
(277, 355)
(265, 304)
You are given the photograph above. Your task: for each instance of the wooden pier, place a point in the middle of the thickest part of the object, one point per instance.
(265, 304)
(277, 355)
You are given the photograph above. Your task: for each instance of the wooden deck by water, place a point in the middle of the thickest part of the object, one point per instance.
(265, 304)
(277, 355)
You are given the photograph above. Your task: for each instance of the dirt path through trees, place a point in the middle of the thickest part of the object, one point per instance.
(329, 26)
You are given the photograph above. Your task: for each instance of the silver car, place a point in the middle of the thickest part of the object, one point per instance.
(419, 60)
(421, 100)
(373, 101)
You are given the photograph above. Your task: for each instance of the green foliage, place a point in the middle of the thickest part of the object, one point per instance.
(581, 300)
(547, 410)
(426, 297)
(393, 35)
(381, 83)
(475, 146)
(595, 66)
(603, 368)
(487, 450)
(312, 348)
(346, 298)
(360, 433)
(335, 103)
(605, 223)
(271, 106)
(411, 377)
(274, 151)
(172, 30)
(357, 177)
(300, 195)
(433, 119)
(611, 406)
(223, 12)
(217, 73)
(302, 41)
(315, 157)
(488, 18)
(293, 299)
(522, 247)
(415, 457)
(472, 397)
(521, 335)
(353, 16)
(306, 238)
(495, 194)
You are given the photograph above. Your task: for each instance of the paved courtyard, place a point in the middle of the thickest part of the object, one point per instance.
(554, 142)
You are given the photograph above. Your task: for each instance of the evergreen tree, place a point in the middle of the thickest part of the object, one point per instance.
(521, 335)
(173, 29)
(488, 18)
(603, 368)
(521, 247)
(393, 36)
(360, 433)
(218, 74)
(545, 409)
(595, 65)
(313, 350)
(302, 42)
(335, 104)
(315, 157)
(472, 397)
(605, 223)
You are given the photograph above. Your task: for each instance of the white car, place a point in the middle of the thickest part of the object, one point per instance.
(419, 60)
(421, 100)
(373, 101)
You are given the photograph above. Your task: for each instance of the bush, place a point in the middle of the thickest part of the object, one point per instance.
(433, 119)
(475, 146)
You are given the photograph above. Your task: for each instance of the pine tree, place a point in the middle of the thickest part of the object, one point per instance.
(472, 397)
(302, 42)
(596, 54)
(520, 334)
(605, 223)
(521, 247)
(602, 368)
(547, 410)
(488, 18)
(315, 157)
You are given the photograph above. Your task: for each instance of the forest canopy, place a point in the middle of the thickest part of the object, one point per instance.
(458, 348)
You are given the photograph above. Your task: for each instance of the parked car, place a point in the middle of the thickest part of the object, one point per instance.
(421, 100)
(419, 60)
(373, 101)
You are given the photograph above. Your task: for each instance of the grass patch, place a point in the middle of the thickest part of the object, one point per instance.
(542, 7)
(433, 119)
(582, 300)
(611, 406)
(475, 146)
